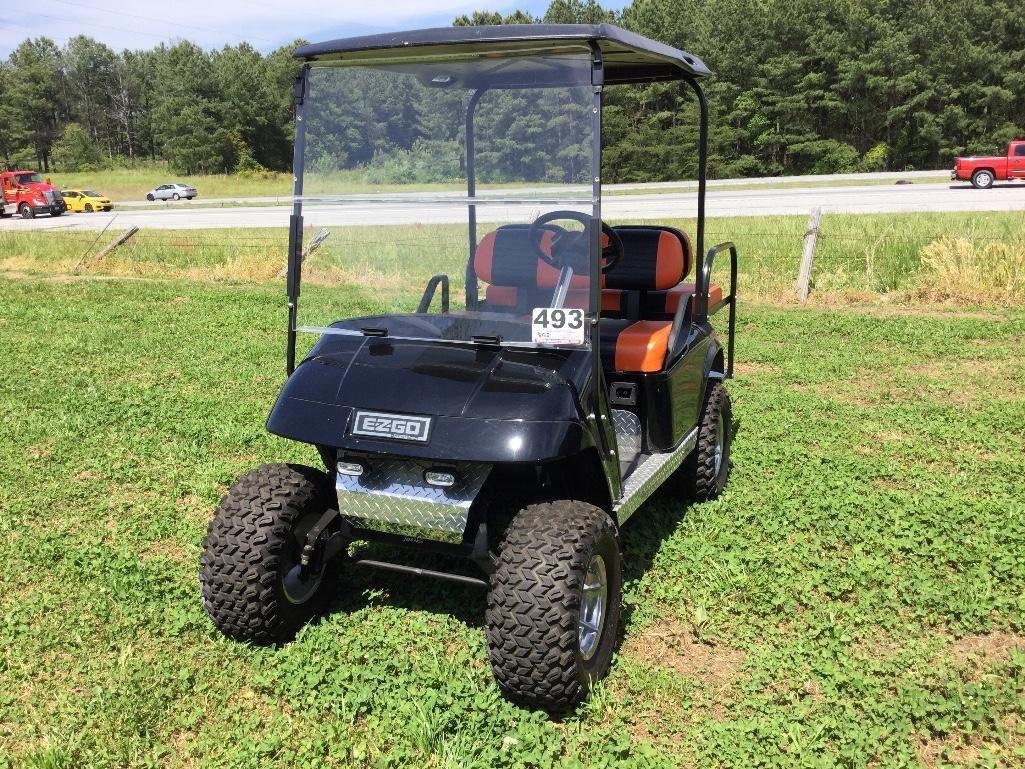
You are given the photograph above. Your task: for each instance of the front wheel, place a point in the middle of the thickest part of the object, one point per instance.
(150, 198)
(26, 211)
(554, 604)
(176, 196)
(55, 212)
(253, 586)
(982, 180)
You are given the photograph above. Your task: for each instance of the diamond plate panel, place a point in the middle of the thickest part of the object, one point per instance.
(394, 491)
(650, 474)
(628, 434)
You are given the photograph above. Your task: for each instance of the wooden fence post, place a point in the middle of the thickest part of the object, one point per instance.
(123, 238)
(808, 257)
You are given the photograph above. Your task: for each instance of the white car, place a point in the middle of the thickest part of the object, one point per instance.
(174, 191)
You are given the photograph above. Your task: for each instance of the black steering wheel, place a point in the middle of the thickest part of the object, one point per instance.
(570, 247)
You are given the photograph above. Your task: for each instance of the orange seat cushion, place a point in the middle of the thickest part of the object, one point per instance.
(642, 346)
(673, 296)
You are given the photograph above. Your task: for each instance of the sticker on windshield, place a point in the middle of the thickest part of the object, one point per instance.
(556, 326)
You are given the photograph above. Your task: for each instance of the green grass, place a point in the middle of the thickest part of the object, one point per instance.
(133, 184)
(795, 182)
(851, 601)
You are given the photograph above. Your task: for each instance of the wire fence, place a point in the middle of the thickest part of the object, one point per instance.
(854, 253)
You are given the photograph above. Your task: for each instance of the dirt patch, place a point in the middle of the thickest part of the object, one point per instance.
(194, 508)
(169, 550)
(752, 368)
(958, 749)
(44, 452)
(668, 644)
(984, 650)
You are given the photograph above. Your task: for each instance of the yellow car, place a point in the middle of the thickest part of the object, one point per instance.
(86, 200)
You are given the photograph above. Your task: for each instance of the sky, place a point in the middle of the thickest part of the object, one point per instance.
(265, 24)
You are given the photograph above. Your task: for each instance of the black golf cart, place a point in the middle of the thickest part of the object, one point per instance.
(553, 374)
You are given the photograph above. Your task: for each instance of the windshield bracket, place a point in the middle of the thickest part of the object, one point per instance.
(562, 287)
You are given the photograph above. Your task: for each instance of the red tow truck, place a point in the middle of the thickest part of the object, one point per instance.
(982, 172)
(29, 194)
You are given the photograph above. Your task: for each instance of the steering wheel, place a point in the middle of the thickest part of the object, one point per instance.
(570, 247)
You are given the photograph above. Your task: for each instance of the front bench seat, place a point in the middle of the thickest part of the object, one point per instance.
(517, 280)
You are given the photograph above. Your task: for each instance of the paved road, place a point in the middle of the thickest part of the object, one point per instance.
(392, 209)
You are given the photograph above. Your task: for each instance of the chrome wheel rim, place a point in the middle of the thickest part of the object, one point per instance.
(592, 606)
(984, 179)
(720, 442)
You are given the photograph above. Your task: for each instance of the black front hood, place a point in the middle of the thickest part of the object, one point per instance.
(482, 399)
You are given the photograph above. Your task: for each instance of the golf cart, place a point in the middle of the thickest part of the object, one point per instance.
(554, 373)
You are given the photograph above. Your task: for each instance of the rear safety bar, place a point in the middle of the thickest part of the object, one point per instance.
(428, 297)
(700, 310)
(731, 299)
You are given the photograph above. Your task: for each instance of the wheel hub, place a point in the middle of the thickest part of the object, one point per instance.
(592, 606)
(720, 442)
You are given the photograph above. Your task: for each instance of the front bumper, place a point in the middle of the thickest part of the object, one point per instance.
(394, 491)
(58, 208)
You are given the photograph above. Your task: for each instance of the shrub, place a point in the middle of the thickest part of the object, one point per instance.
(877, 158)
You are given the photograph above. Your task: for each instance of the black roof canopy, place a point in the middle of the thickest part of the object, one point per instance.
(628, 57)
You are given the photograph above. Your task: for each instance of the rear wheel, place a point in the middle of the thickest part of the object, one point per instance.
(26, 211)
(88, 208)
(554, 604)
(253, 586)
(176, 196)
(982, 179)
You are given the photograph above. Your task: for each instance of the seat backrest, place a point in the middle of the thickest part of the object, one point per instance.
(654, 258)
(517, 279)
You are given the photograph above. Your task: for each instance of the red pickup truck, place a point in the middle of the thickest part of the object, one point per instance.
(982, 172)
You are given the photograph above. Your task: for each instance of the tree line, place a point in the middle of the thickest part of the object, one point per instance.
(799, 86)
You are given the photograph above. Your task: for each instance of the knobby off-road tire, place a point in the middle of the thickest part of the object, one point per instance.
(534, 605)
(710, 465)
(253, 546)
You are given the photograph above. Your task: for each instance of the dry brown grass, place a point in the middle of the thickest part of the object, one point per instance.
(959, 269)
(669, 644)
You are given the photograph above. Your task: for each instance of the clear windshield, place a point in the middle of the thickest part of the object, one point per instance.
(386, 201)
(27, 179)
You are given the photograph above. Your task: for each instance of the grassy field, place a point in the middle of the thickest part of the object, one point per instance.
(855, 599)
(133, 184)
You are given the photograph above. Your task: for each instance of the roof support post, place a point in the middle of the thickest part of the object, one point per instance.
(295, 224)
(472, 298)
(600, 407)
(702, 180)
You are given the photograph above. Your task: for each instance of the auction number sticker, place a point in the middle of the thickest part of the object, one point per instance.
(557, 326)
